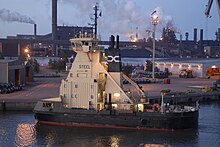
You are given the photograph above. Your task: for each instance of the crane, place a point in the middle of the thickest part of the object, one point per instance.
(138, 88)
(209, 5)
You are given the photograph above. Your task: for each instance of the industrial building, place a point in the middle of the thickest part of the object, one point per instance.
(15, 71)
(198, 66)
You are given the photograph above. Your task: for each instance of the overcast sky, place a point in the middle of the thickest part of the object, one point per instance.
(123, 17)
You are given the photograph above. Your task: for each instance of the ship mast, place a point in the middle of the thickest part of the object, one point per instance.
(95, 19)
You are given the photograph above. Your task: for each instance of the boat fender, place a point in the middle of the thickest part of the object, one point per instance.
(156, 107)
(144, 121)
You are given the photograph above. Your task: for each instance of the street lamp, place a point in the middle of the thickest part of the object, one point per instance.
(27, 52)
(154, 22)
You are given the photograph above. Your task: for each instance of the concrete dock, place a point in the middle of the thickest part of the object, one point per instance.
(26, 99)
(49, 87)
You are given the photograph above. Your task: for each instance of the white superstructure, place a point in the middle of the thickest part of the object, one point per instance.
(88, 84)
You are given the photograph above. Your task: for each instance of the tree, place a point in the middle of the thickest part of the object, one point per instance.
(35, 65)
(148, 65)
(127, 69)
(59, 64)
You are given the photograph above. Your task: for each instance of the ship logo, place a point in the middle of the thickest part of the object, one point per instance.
(113, 59)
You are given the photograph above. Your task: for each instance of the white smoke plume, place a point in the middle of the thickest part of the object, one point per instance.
(7, 15)
(121, 17)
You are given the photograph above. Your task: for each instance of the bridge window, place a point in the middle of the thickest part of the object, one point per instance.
(48, 105)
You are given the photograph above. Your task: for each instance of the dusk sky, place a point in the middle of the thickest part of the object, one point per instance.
(123, 17)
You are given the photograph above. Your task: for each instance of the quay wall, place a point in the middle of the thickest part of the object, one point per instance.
(188, 97)
(170, 98)
(17, 106)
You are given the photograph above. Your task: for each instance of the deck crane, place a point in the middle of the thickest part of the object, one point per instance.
(209, 5)
(138, 88)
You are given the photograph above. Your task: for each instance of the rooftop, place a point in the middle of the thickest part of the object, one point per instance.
(190, 60)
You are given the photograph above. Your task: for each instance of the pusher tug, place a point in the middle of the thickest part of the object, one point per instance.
(92, 96)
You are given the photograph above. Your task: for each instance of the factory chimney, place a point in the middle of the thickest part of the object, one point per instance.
(219, 36)
(54, 19)
(201, 37)
(35, 30)
(195, 37)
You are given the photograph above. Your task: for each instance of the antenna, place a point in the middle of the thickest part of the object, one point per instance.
(95, 19)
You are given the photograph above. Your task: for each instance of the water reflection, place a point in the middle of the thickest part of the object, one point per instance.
(154, 145)
(19, 129)
(66, 136)
(25, 135)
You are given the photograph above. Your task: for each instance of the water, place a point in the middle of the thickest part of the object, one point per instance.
(20, 129)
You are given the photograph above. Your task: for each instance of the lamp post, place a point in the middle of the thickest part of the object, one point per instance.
(154, 22)
(27, 52)
(162, 102)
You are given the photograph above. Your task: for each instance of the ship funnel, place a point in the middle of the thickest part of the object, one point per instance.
(114, 58)
(117, 42)
(112, 41)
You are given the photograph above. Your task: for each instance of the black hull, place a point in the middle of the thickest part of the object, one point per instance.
(108, 119)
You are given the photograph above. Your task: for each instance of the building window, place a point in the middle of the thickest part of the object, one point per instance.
(76, 86)
(92, 97)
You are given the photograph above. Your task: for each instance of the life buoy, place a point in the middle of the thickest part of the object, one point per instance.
(156, 107)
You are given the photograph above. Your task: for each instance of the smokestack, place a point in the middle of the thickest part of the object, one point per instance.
(35, 30)
(187, 36)
(54, 19)
(117, 42)
(219, 36)
(195, 37)
(112, 43)
(114, 59)
(201, 37)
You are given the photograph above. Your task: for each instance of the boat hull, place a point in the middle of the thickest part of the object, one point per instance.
(116, 119)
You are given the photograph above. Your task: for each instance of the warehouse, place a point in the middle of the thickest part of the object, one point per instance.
(15, 71)
(198, 66)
